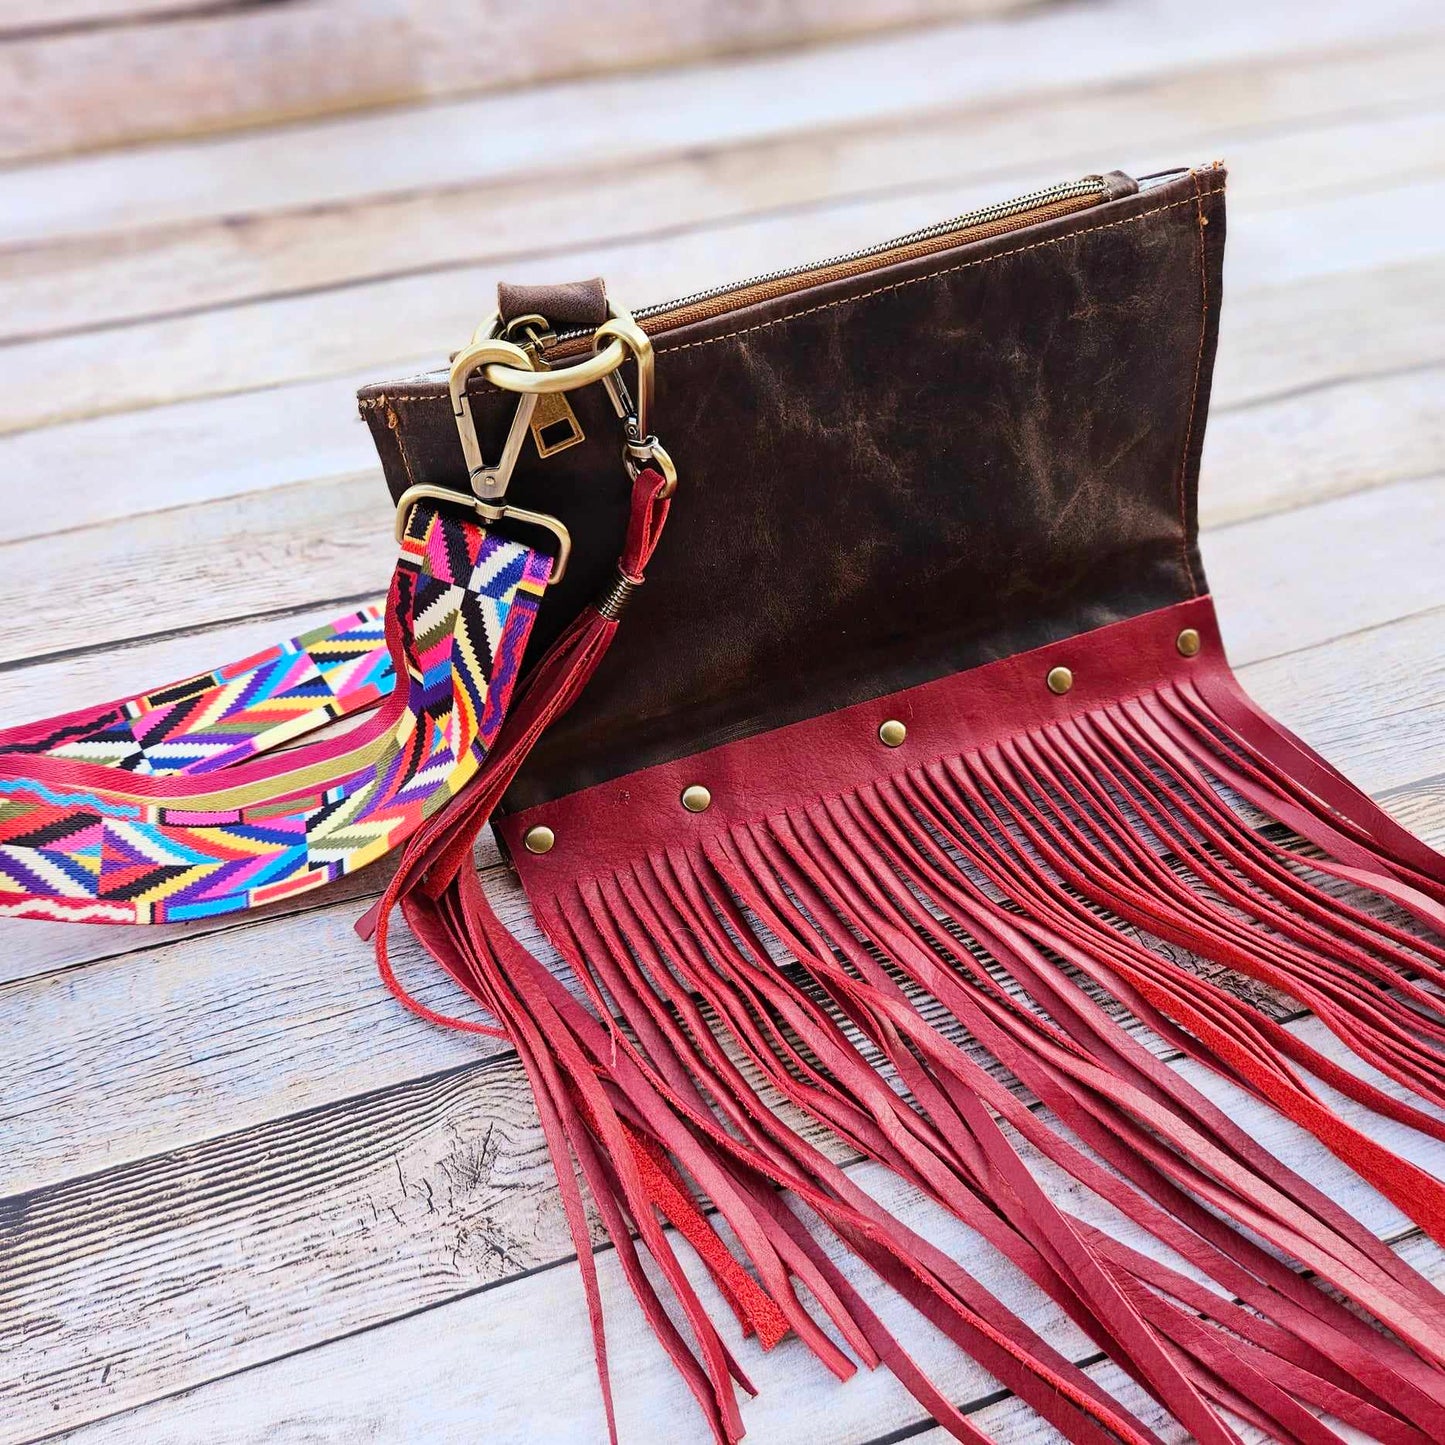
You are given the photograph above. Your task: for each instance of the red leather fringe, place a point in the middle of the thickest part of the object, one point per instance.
(932, 966)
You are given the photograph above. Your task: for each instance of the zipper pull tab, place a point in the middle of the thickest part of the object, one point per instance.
(554, 425)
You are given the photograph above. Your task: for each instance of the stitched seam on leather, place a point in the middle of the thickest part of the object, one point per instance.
(394, 424)
(878, 291)
(1199, 195)
(1195, 199)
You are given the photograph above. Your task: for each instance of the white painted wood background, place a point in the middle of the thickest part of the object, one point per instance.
(243, 1196)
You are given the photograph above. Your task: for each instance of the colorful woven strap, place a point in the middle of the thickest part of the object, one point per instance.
(104, 818)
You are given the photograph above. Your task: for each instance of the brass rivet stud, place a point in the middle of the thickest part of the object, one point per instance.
(540, 839)
(696, 799)
(1060, 680)
(892, 733)
(1188, 643)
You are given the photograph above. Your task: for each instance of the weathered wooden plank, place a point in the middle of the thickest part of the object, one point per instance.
(1317, 332)
(321, 542)
(79, 282)
(128, 463)
(1290, 579)
(226, 1030)
(302, 337)
(1326, 442)
(222, 1255)
(609, 122)
(1373, 703)
(223, 1031)
(1010, 1422)
(479, 1355)
(1276, 342)
(257, 64)
(1417, 805)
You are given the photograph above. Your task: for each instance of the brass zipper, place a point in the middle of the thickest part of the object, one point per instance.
(979, 225)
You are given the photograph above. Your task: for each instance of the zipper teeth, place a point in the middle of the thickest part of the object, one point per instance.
(984, 216)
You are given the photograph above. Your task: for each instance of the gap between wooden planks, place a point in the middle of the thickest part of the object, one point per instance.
(184, 1040)
(334, 331)
(1369, 118)
(1253, 570)
(347, 1390)
(232, 63)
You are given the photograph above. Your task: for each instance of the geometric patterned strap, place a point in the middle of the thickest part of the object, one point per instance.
(166, 806)
(219, 718)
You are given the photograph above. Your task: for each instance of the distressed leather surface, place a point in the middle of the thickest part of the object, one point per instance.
(566, 304)
(883, 481)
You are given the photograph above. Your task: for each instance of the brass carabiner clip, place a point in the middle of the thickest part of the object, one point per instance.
(640, 447)
(489, 483)
(511, 368)
(612, 343)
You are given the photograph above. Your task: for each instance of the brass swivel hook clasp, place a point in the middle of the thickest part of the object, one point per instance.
(640, 447)
(510, 367)
(489, 483)
(617, 339)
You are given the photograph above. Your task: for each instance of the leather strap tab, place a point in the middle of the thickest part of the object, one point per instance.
(1118, 184)
(571, 303)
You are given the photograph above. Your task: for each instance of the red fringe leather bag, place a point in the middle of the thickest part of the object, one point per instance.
(911, 817)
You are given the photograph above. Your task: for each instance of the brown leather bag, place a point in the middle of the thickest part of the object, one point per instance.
(914, 783)
(894, 469)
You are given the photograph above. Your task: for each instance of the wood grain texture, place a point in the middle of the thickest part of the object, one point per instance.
(242, 1195)
(352, 1390)
(1290, 131)
(247, 64)
(243, 556)
(195, 1038)
(171, 1043)
(295, 338)
(1323, 330)
(1291, 579)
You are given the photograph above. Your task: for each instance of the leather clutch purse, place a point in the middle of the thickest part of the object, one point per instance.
(870, 757)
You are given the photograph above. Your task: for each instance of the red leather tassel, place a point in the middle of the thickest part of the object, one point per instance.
(928, 962)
